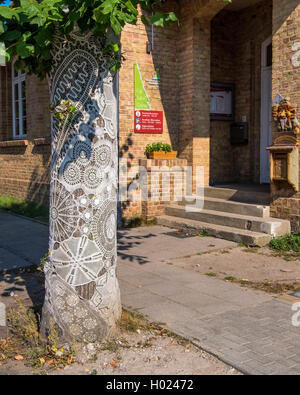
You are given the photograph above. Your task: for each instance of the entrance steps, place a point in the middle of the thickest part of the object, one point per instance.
(239, 221)
(253, 194)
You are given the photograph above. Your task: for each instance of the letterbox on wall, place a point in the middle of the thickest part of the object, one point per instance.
(239, 133)
(285, 163)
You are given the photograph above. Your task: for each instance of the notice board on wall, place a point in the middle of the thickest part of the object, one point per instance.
(148, 121)
(222, 101)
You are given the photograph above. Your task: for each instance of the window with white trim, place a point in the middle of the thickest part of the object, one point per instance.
(19, 103)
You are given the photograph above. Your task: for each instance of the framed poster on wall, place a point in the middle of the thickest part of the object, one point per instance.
(222, 101)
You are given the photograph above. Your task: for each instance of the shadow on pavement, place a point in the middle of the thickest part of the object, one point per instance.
(127, 242)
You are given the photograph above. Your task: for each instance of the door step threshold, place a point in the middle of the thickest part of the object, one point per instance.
(223, 205)
(223, 232)
(238, 195)
(272, 226)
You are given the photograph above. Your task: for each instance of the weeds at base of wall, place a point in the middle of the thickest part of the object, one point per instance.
(25, 208)
(137, 222)
(290, 242)
(271, 287)
(25, 342)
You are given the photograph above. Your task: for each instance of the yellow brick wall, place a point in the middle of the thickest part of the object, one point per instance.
(237, 38)
(286, 81)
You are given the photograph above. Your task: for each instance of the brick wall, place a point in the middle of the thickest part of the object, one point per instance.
(286, 81)
(25, 164)
(162, 98)
(236, 58)
(162, 174)
(25, 168)
(182, 54)
(194, 81)
(222, 70)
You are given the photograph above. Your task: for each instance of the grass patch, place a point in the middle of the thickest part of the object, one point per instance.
(266, 286)
(204, 233)
(137, 222)
(26, 343)
(288, 256)
(241, 244)
(26, 208)
(210, 274)
(275, 288)
(251, 249)
(132, 321)
(231, 279)
(289, 242)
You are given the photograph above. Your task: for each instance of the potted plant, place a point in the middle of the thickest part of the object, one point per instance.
(160, 151)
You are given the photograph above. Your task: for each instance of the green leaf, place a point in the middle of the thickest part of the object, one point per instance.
(43, 38)
(158, 19)
(3, 27)
(106, 7)
(115, 24)
(38, 20)
(145, 20)
(12, 35)
(26, 35)
(6, 12)
(20, 64)
(131, 7)
(172, 17)
(24, 50)
(31, 7)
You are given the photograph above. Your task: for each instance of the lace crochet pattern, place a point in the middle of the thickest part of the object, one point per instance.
(82, 293)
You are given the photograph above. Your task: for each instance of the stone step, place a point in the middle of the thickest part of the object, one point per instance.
(223, 232)
(253, 210)
(272, 226)
(238, 195)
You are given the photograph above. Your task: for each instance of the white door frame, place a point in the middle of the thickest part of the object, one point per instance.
(266, 114)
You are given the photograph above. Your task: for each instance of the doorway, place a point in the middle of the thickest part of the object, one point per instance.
(266, 110)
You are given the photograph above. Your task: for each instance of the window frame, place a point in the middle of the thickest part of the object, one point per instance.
(18, 80)
(264, 57)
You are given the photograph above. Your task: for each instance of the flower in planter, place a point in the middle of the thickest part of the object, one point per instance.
(158, 147)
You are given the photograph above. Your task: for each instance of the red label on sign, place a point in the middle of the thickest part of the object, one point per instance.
(148, 121)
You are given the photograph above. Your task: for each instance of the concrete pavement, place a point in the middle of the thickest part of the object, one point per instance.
(23, 242)
(248, 329)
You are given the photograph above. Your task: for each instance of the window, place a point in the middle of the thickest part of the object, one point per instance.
(19, 103)
(269, 54)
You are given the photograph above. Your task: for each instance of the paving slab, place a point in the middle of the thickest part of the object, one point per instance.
(247, 329)
(23, 242)
(157, 243)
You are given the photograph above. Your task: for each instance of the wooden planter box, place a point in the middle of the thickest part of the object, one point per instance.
(162, 155)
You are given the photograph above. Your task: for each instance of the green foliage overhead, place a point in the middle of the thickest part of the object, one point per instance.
(27, 27)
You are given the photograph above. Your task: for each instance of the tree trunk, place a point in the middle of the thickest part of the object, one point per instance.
(82, 293)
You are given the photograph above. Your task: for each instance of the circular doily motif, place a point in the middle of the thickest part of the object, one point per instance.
(103, 156)
(104, 226)
(76, 329)
(92, 177)
(64, 213)
(71, 173)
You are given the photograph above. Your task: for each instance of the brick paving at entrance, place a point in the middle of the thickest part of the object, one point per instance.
(247, 329)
